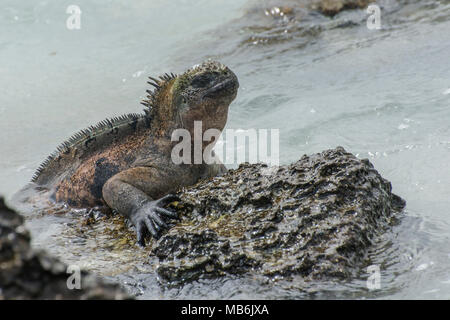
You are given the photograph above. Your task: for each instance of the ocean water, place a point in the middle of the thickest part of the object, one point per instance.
(381, 94)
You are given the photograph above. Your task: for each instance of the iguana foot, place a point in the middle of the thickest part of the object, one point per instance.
(149, 218)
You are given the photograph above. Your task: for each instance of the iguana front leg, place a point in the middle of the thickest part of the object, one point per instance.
(133, 192)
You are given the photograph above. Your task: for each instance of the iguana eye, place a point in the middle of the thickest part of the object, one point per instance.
(202, 81)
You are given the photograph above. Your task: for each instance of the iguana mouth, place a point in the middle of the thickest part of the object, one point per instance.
(223, 88)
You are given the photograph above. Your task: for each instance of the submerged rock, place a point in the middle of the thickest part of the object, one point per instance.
(333, 7)
(314, 218)
(293, 23)
(329, 8)
(29, 274)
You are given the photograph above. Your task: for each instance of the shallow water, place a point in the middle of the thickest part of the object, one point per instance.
(381, 94)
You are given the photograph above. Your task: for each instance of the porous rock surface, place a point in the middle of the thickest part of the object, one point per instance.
(315, 218)
(29, 274)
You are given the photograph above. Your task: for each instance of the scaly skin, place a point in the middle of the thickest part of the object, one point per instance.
(126, 162)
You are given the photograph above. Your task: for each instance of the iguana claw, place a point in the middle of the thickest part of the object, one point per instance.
(149, 218)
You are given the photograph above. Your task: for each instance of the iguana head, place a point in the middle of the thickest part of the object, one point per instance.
(202, 93)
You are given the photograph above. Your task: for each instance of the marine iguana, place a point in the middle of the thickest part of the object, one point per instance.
(125, 162)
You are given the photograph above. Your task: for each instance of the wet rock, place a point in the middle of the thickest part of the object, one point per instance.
(333, 7)
(315, 218)
(279, 22)
(29, 274)
(298, 8)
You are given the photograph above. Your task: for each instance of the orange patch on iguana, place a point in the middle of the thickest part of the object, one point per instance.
(83, 188)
